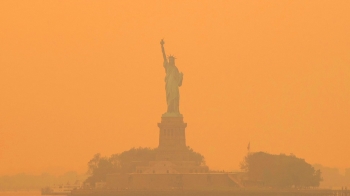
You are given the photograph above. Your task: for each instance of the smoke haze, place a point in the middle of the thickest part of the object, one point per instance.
(84, 77)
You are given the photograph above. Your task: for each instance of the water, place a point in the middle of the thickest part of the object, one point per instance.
(20, 193)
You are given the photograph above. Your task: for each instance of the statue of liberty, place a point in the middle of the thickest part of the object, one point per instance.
(173, 80)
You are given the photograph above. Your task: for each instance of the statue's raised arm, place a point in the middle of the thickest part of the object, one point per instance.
(163, 51)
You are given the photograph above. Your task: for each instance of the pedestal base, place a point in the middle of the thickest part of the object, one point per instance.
(173, 156)
(172, 139)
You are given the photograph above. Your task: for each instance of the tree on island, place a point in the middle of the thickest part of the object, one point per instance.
(99, 167)
(280, 170)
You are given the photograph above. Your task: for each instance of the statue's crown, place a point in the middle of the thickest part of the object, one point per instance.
(171, 57)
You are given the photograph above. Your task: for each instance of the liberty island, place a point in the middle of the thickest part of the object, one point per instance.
(173, 171)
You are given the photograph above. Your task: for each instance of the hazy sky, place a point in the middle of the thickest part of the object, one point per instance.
(82, 77)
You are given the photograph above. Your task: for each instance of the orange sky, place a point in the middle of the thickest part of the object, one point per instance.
(82, 77)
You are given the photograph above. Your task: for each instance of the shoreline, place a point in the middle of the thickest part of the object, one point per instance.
(233, 192)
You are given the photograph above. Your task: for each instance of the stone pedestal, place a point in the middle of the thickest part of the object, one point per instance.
(173, 156)
(172, 140)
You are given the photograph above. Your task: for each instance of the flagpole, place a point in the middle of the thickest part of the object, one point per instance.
(248, 147)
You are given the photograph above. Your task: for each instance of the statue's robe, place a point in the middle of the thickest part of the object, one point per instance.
(173, 80)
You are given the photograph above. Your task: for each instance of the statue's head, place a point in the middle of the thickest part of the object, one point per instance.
(171, 60)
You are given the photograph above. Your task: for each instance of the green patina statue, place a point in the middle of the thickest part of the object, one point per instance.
(173, 80)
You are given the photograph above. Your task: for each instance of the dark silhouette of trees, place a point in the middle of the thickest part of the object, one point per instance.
(280, 170)
(332, 176)
(98, 168)
(195, 156)
(126, 162)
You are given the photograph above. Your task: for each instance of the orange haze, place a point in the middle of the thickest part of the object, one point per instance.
(82, 77)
